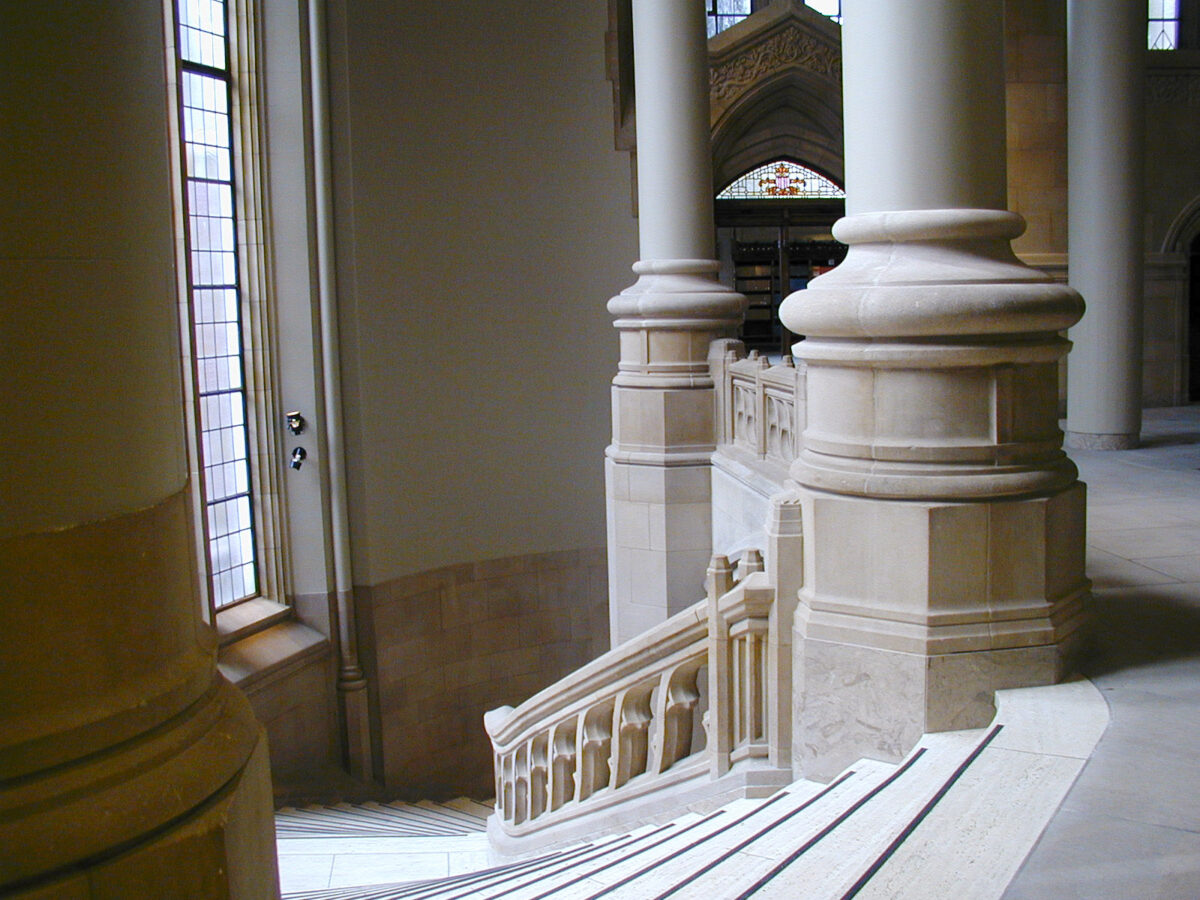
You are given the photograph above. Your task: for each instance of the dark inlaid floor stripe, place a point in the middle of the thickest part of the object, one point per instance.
(670, 856)
(920, 817)
(712, 864)
(596, 851)
(629, 856)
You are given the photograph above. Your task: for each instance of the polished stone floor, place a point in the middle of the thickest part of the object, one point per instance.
(1130, 826)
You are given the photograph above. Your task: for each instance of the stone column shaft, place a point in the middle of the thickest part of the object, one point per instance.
(1105, 125)
(943, 542)
(657, 470)
(128, 766)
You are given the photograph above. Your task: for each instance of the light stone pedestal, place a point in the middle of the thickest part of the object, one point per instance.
(914, 613)
(943, 524)
(658, 470)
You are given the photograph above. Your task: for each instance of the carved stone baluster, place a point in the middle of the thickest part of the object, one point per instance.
(506, 791)
(595, 747)
(748, 635)
(539, 766)
(737, 647)
(498, 781)
(755, 711)
(562, 764)
(521, 785)
(678, 695)
(633, 716)
(760, 403)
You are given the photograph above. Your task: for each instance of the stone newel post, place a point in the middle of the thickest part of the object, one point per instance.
(943, 524)
(657, 470)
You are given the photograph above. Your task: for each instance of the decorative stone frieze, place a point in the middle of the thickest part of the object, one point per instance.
(790, 47)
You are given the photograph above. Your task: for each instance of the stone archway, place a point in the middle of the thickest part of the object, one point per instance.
(776, 92)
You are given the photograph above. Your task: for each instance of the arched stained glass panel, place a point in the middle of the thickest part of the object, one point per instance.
(781, 180)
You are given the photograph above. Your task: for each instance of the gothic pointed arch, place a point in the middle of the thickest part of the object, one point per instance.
(775, 89)
(776, 92)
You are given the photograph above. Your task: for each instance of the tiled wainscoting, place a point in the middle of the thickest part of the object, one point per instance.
(444, 646)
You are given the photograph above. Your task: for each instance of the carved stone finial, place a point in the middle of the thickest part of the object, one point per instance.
(719, 579)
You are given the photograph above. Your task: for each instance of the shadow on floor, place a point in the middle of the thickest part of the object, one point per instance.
(1135, 627)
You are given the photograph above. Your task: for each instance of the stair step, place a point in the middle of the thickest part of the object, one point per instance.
(471, 807)
(371, 819)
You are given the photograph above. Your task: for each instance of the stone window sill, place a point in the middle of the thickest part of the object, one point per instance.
(264, 641)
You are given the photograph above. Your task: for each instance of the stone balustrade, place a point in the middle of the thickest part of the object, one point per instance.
(679, 715)
(758, 411)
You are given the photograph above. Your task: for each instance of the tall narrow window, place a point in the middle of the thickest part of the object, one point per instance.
(215, 299)
(1163, 22)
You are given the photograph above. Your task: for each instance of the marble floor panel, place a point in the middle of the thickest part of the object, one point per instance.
(1130, 826)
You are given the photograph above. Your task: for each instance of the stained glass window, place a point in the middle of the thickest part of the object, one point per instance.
(215, 298)
(724, 13)
(1163, 22)
(781, 180)
(831, 8)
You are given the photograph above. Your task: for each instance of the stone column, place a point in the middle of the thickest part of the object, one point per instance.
(657, 468)
(1106, 46)
(943, 525)
(128, 767)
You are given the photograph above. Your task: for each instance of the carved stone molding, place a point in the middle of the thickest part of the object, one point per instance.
(787, 48)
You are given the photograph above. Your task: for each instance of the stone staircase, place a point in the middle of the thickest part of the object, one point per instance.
(371, 820)
(955, 818)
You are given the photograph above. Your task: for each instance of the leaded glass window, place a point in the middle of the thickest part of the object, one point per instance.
(1163, 25)
(724, 13)
(781, 180)
(831, 8)
(215, 298)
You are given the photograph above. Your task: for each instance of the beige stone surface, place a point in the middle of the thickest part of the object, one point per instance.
(444, 646)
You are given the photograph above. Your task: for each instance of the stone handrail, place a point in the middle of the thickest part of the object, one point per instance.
(626, 727)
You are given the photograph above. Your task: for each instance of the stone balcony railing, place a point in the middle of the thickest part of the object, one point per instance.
(757, 408)
(688, 714)
(760, 416)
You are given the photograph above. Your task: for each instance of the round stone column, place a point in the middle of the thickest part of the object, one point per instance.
(128, 766)
(943, 524)
(657, 469)
(1106, 46)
